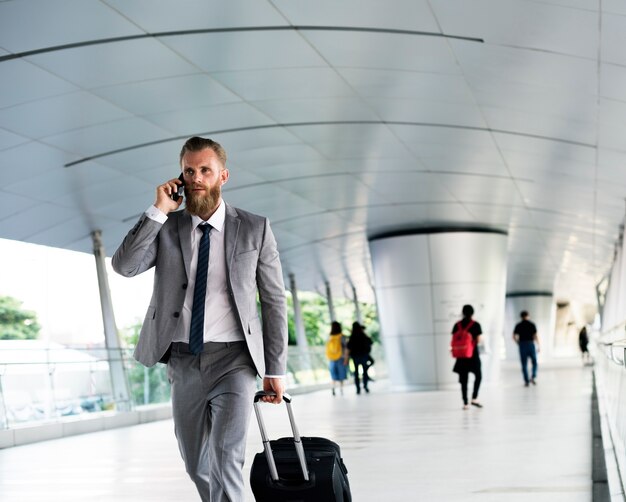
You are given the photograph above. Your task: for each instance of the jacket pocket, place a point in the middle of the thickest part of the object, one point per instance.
(254, 326)
(245, 255)
(150, 315)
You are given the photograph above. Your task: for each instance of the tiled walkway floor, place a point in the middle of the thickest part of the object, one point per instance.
(525, 444)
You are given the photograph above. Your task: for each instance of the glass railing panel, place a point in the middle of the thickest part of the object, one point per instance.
(41, 383)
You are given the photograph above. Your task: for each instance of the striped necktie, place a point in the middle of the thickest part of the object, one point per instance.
(196, 332)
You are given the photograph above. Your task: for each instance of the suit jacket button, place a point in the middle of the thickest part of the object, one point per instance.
(176, 314)
(184, 286)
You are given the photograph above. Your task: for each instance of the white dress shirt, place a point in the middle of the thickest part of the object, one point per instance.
(220, 323)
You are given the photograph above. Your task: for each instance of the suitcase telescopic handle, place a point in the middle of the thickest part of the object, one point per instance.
(266, 441)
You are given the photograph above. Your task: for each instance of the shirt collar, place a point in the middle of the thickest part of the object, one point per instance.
(216, 220)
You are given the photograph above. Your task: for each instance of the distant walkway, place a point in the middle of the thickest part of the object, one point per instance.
(525, 444)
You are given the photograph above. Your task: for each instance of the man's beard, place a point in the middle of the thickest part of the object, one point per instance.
(205, 203)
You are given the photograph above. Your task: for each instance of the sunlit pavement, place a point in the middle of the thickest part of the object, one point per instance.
(525, 444)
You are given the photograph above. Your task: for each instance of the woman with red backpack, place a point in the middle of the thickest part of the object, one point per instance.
(466, 335)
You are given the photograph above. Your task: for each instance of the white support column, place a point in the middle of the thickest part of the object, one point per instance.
(331, 308)
(119, 382)
(357, 309)
(423, 279)
(297, 314)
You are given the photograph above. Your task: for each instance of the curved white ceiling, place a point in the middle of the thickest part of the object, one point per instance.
(342, 119)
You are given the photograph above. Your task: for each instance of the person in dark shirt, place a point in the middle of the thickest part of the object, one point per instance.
(583, 343)
(465, 366)
(525, 335)
(359, 347)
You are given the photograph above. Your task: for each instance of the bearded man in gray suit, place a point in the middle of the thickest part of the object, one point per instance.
(212, 340)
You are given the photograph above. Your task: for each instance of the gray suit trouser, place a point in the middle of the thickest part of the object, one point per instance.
(212, 396)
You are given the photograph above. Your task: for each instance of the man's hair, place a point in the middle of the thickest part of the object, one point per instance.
(523, 314)
(197, 144)
(468, 310)
(335, 328)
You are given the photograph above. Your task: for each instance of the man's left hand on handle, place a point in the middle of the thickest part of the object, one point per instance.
(276, 385)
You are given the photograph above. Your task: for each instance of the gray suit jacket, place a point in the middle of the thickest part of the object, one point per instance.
(252, 264)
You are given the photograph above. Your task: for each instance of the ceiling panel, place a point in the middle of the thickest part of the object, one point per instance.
(490, 215)
(245, 50)
(59, 114)
(428, 112)
(279, 204)
(415, 15)
(402, 84)
(613, 38)
(468, 158)
(484, 63)
(38, 157)
(322, 226)
(468, 188)
(613, 6)
(11, 204)
(61, 183)
(107, 137)
(167, 94)
(543, 125)
(316, 133)
(198, 14)
(261, 160)
(21, 82)
(62, 235)
(193, 121)
(408, 186)
(9, 139)
(102, 195)
(285, 83)
(410, 52)
(240, 141)
(340, 149)
(536, 25)
(34, 24)
(114, 63)
(290, 111)
(36, 218)
(536, 99)
(331, 191)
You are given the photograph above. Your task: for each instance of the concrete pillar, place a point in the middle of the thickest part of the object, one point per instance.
(423, 279)
(119, 382)
(301, 340)
(357, 308)
(331, 308)
(542, 311)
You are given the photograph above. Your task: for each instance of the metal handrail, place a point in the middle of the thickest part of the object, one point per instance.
(609, 351)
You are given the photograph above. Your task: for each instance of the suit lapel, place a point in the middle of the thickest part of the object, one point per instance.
(231, 230)
(184, 235)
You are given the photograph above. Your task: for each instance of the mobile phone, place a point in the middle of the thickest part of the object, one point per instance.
(181, 189)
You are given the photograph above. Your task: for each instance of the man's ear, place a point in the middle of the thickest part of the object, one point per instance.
(224, 174)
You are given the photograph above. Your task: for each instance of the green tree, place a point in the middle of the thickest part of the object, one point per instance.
(316, 317)
(15, 322)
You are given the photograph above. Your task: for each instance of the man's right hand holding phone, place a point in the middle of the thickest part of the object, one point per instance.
(164, 192)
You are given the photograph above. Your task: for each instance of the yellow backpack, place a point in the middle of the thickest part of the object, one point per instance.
(334, 350)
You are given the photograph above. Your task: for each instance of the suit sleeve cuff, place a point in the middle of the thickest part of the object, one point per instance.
(156, 214)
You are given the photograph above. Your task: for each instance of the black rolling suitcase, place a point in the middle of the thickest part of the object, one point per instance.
(294, 469)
